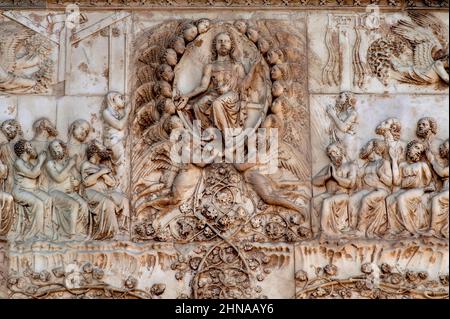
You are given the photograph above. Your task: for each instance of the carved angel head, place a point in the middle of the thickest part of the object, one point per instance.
(165, 72)
(203, 25)
(278, 88)
(426, 126)
(278, 72)
(190, 32)
(263, 45)
(253, 35)
(170, 57)
(177, 43)
(162, 88)
(275, 56)
(241, 26)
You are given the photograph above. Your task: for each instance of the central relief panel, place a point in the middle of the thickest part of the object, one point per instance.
(220, 151)
(200, 86)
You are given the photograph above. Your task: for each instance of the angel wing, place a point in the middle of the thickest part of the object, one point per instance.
(144, 94)
(289, 159)
(156, 157)
(146, 115)
(430, 22)
(420, 33)
(11, 37)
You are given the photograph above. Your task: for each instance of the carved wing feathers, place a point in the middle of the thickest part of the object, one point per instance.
(288, 158)
(154, 158)
(430, 22)
(411, 32)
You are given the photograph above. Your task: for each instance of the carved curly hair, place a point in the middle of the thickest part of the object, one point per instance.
(413, 143)
(19, 147)
(393, 125)
(96, 148)
(44, 124)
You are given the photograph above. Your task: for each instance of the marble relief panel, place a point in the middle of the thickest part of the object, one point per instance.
(366, 270)
(378, 52)
(116, 179)
(169, 67)
(28, 55)
(408, 109)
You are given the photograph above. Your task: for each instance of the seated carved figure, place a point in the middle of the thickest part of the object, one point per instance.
(367, 206)
(35, 204)
(12, 131)
(71, 211)
(98, 190)
(330, 209)
(406, 207)
(6, 204)
(221, 78)
(439, 202)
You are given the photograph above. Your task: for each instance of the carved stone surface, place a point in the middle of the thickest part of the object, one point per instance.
(224, 153)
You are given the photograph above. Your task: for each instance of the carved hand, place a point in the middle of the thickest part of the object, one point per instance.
(182, 102)
(42, 156)
(430, 156)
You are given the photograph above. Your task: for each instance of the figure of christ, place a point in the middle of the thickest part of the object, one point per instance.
(36, 203)
(71, 211)
(99, 192)
(330, 214)
(221, 83)
(367, 206)
(406, 208)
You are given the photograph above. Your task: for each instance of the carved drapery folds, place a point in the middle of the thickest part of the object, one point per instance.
(388, 189)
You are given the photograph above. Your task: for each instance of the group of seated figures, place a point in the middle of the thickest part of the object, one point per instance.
(400, 191)
(52, 190)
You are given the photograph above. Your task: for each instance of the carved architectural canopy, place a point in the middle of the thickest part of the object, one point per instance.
(282, 149)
